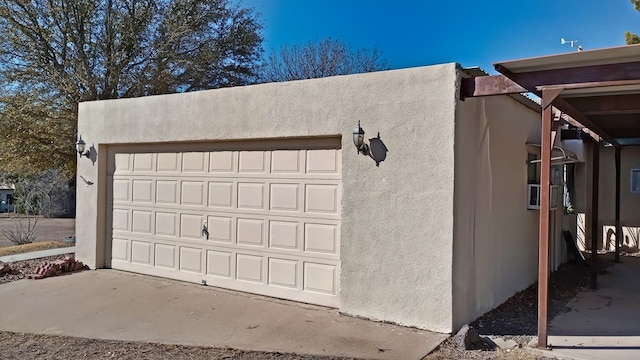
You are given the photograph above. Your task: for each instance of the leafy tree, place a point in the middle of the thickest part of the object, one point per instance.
(319, 59)
(631, 38)
(57, 53)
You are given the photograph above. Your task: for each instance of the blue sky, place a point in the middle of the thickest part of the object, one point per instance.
(473, 33)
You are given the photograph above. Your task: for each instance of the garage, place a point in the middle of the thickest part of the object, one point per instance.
(255, 216)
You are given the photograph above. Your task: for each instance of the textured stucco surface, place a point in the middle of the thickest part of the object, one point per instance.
(629, 201)
(496, 237)
(397, 219)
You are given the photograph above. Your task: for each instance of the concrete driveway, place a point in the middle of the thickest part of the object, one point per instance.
(602, 324)
(110, 304)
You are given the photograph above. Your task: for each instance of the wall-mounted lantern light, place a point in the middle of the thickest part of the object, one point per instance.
(80, 148)
(376, 150)
(358, 140)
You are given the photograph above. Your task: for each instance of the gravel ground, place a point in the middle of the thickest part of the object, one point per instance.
(30, 346)
(515, 319)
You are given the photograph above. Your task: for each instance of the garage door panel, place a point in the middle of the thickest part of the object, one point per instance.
(323, 162)
(192, 193)
(286, 162)
(120, 219)
(167, 192)
(143, 162)
(250, 232)
(220, 228)
(143, 191)
(321, 198)
(141, 221)
(273, 219)
(191, 259)
(320, 278)
(251, 195)
(321, 238)
(283, 272)
(121, 190)
(122, 163)
(221, 194)
(191, 226)
(220, 263)
(284, 235)
(165, 256)
(141, 252)
(168, 162)
(253, 162)
(284, 197)
(221, 162)
(165, 224)
(194, 162)
(120, 249)
(249, 268)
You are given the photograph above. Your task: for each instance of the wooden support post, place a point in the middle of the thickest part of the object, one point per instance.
(543, 243)
(619, 235)
(593, 223)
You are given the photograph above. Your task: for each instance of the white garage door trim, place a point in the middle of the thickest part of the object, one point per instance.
(271, 210)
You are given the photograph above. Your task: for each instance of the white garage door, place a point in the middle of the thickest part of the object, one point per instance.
(261, 221)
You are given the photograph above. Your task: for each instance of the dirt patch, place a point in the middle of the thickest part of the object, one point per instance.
(517, 318)
(47, 229)
(37, 246)
(32, 346)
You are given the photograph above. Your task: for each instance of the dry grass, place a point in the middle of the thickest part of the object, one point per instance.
(44, 245)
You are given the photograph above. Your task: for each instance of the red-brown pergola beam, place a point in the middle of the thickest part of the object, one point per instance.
(593, 219)
(545, 206)
(489, 86)
(577, 75)
(619, 235)
(566, 108)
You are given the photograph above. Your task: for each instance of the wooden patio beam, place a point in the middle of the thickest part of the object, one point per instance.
(543, 242)
(568, 109)
(488, 86)
(593, 219)
(578, 75)
(604, 105)
(619, 234)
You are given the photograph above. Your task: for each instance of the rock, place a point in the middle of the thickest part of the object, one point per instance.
(504, 344)
(4, 268)
(533, 343)
(467, 338)
(489, 344)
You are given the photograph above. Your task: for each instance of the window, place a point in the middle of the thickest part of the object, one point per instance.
(635, 180)
(9, 199)
(533, 196)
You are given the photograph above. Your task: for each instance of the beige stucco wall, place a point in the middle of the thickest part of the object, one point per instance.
(397, 219)
(496, 237)
(629, 202)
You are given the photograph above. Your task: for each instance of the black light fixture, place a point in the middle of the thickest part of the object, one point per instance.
(80, 148)
(358, 140)
(376, 149)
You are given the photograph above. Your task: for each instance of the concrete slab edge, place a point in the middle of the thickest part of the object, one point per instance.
(38, 254)
(551, 353)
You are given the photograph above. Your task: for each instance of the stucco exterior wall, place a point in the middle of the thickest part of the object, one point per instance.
(629, 201)
(496, 237)
(397, 219)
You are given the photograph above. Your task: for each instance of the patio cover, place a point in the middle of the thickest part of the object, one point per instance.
(600, 92)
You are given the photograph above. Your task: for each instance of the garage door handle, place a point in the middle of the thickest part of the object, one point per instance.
(205, 230)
